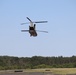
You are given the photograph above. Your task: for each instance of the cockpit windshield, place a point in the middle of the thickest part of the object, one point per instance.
(31, 28)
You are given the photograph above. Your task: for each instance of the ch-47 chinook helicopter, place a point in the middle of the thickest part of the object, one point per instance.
(32, 28)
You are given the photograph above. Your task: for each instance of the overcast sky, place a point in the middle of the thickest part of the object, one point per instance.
(61, 17)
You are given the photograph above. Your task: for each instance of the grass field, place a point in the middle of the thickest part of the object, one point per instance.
(61, 71)
(64, 70)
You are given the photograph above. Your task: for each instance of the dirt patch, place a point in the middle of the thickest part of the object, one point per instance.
(32, 73)
(27, 73)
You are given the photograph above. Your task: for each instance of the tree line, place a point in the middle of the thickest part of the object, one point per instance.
(10, 62)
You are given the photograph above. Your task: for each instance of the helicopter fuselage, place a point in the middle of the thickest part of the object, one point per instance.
(32, 31)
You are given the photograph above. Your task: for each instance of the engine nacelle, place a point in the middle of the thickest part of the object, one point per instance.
(29, 27)
(34, 26)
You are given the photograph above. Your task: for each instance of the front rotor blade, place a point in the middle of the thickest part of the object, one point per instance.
(24, 30)
(42, 31)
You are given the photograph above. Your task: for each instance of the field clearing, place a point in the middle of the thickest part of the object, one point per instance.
(61, 71)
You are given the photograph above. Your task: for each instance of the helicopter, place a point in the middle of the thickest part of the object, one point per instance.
(32, 27)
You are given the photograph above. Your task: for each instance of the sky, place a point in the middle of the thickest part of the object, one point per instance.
(60, 39)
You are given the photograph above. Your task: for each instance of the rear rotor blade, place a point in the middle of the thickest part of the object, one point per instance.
(35, 22)
(42, 31)
(41, 22)
(28, 19)
(25, 23)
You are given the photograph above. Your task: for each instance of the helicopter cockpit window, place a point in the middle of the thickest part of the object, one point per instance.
(31, 28)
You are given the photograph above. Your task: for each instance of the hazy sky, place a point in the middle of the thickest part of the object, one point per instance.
(61, 17)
